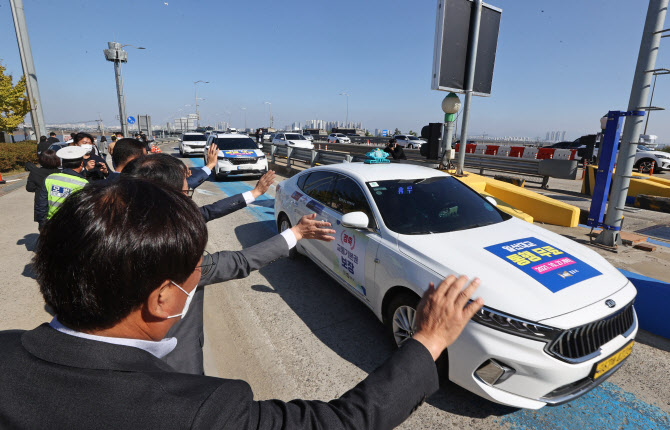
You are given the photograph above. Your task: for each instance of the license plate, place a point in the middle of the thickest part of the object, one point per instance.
(607, 364)
(245, 167)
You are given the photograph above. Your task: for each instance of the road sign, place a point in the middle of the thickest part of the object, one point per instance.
(385, 133)
(450, 57)
(131, 120)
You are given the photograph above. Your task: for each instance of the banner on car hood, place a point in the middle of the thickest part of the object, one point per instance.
(548, 265)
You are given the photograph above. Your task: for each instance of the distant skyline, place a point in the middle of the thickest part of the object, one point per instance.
(560, 65)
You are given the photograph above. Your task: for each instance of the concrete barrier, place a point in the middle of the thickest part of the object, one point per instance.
(540, 208)
(652, 303)
(641, 184)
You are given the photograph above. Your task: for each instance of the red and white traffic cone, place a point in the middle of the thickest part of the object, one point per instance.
(2, 181)
(651, 171)
(326, 147)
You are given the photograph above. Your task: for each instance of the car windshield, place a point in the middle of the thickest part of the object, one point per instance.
(412, 138)
(235, 143)
(432, 205)
(643, 148)
(293, 136)
(193, 137)
(339, 135)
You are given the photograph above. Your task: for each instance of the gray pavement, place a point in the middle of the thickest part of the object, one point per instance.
(292, 332)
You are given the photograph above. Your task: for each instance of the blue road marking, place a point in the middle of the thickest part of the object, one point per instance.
(606, 407)
(262, 209)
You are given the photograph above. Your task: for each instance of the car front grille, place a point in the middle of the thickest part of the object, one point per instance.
(242, 160)
(579, 342)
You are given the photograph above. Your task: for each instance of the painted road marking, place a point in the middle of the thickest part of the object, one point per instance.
(606, 407)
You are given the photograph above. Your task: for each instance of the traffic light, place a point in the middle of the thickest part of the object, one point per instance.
(431, 134)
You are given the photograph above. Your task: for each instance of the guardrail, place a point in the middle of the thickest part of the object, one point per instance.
(545, 168)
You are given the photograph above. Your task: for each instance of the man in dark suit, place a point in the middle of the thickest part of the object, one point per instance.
(125, 151)
(97, 364)
(198, 175)
(222, 266)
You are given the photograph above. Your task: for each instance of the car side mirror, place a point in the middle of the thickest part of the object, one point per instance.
(355, 220)
(491, 200)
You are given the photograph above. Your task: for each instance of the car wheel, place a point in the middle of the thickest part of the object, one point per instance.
(181, 152)
(644, 165)
(410, 146)
(400, 322)
(337, 141)
(285, 224)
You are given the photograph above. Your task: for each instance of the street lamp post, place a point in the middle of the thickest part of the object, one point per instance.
(197, 114)
(271, 119)
(26, 54)
(117, 55)
(346, 123)
(450, 106)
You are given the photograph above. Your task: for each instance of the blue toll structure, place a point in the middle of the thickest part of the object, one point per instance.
(606, 159)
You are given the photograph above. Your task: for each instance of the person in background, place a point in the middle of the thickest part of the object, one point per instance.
(49, 163)
(259, 134)
(52, 138)
(103, 147)
(125, 151)
(42, 145)
(95, 167)
(395, 150)
(72, 135)
(58, 186)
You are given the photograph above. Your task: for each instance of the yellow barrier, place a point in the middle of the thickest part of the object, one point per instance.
(524, 203)
(644, 185)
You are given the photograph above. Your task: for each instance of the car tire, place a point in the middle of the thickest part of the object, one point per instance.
(284, 224)
(644, 165)
(406, 302)
(181, 152)
(410, 146)
(337, 141)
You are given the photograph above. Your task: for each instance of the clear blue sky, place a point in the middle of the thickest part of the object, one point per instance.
(560, 64)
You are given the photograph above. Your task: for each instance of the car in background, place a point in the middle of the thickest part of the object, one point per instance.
(308, 136)
(192, 143)
(575, 144)
(646, 157)
(558, 318)
(238, 155)
(409, 141)
(294, 140)
(338, 138)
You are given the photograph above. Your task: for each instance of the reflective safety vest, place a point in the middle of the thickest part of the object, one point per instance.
(59, 186)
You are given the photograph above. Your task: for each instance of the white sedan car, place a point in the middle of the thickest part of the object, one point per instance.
(294, 140)
(409, 141)
(558, 318)
(338, 138)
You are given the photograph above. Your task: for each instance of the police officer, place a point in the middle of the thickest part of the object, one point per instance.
(58, 186)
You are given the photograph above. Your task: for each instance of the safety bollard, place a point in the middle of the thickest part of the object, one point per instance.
(651, 171)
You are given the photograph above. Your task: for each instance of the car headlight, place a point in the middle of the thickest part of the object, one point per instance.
(517, 326)
(662, 156)
(262, 157)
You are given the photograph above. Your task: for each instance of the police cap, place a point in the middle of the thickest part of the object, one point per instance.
(71, 152)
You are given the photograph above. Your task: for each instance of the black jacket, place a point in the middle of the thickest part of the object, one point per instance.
(43, 146)
(398, 153)
(55, 380)
(36, 181)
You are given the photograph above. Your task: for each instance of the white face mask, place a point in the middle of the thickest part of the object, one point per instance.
(87, 147)
(188, 301)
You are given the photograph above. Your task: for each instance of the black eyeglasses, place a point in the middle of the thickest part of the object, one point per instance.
(207, 264)
(188, 192)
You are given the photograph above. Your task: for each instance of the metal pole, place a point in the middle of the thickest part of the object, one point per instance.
(121, 98)
(651, 102)
(472, 62)
(646, 62)
(347, 125)
(197, 115)
(26, 53)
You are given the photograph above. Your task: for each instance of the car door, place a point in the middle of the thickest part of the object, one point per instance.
(318, 188)
(351, 256)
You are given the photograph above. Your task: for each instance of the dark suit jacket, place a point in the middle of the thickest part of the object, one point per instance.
(198, 176)
(187, 356)
(54, 380)
(223, 207)
(36, 181)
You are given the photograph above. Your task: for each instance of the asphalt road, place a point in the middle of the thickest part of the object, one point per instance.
(292, 332)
